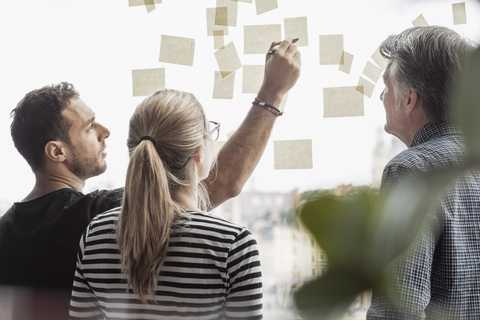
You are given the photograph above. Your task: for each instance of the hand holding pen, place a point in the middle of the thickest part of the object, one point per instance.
(272, 51)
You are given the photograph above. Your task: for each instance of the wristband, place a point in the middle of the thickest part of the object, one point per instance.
(269, 107)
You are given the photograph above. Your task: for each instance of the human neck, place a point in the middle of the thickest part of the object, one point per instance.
(46, 183)
(187, 198)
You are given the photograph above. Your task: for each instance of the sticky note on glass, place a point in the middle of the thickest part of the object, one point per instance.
(134, 3)
(226, 13)
(346, 62)
(420, 21)
(218, 39)
(292, 154)
(177, 50)
(263, 6)
(372, 71)
(459, 13)
(223, 86)
(379, 59)
(147, 81)
(211, 26)
(331, 49)
(227, 59)
(342, 102)
(149, 4)
(297, 28)
(365, 87)
(257, 39)
(252, 78)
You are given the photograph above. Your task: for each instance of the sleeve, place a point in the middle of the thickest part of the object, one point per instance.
(407, 280)
(244, 297)
(83, 302)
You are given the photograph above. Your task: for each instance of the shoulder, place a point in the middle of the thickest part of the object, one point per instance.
(441, 152)
(105, 222)
(213, 225)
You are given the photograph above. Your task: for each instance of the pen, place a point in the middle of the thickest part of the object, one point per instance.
(272, 51)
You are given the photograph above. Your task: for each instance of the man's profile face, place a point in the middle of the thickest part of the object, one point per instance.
(86, 152)
(396, 121)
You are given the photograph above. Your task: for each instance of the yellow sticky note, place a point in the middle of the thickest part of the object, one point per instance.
(223, 86)
(221, 16)
(252, 78)
(263, 6)
(149, 4)
(147, 81)
(227, 59)
(420, 21)
(297, 28)
(346, 62)
(292, 154)
(218, 39)
(133, 3)
(257, 39)
(211, 27)
(379, 59)
(372, 71)
(365, 87)
(177, 50)
(459, 13)
(342, 102)
(331, 49)
(226, 13)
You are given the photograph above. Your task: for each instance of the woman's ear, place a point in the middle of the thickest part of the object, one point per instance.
(199, 154)
(55, 151)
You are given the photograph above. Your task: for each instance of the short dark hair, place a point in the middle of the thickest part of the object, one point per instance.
(38, 119)
(426, 60)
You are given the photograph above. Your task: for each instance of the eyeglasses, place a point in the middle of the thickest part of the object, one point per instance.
(214, 131)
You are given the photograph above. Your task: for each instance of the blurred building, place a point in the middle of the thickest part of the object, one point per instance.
(290, 256)
(386, 147)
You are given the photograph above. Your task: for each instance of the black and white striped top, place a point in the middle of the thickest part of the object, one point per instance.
(211, 271)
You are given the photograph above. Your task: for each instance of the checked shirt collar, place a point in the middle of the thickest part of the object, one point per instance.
(432, 131)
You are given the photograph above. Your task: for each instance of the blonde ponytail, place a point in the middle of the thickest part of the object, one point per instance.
(147, 214)
(175, 125)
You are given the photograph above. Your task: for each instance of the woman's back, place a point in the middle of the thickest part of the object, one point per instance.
(211, 271)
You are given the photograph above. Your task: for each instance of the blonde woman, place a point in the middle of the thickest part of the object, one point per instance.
(160, 256)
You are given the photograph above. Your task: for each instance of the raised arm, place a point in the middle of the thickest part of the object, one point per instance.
(240, 155)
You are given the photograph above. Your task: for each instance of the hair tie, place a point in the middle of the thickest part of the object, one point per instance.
(148, 138)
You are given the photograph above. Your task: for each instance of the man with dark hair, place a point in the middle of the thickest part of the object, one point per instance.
(58, 135)
(439, 277)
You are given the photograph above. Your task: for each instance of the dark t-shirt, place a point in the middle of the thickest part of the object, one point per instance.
(39, 238)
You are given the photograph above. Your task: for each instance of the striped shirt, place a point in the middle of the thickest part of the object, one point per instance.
(211, 271)
(440, 277)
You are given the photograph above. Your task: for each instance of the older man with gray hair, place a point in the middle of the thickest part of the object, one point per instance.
(440, 277)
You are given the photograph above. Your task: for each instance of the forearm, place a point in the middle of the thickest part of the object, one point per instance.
(242, 152)
(240, 155)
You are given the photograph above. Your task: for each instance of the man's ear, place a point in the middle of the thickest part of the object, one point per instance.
(55, 151)
(411, 100)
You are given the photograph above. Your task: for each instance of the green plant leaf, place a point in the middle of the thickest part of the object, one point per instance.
(329, 296)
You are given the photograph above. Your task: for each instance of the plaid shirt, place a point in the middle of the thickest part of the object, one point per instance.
(440, 277)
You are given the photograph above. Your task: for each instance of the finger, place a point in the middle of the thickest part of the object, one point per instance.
(291, 50)
(274, 44)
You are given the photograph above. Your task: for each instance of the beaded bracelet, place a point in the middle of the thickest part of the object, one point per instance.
(269, 107)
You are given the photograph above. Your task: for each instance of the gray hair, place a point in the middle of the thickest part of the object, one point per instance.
(426, 60)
